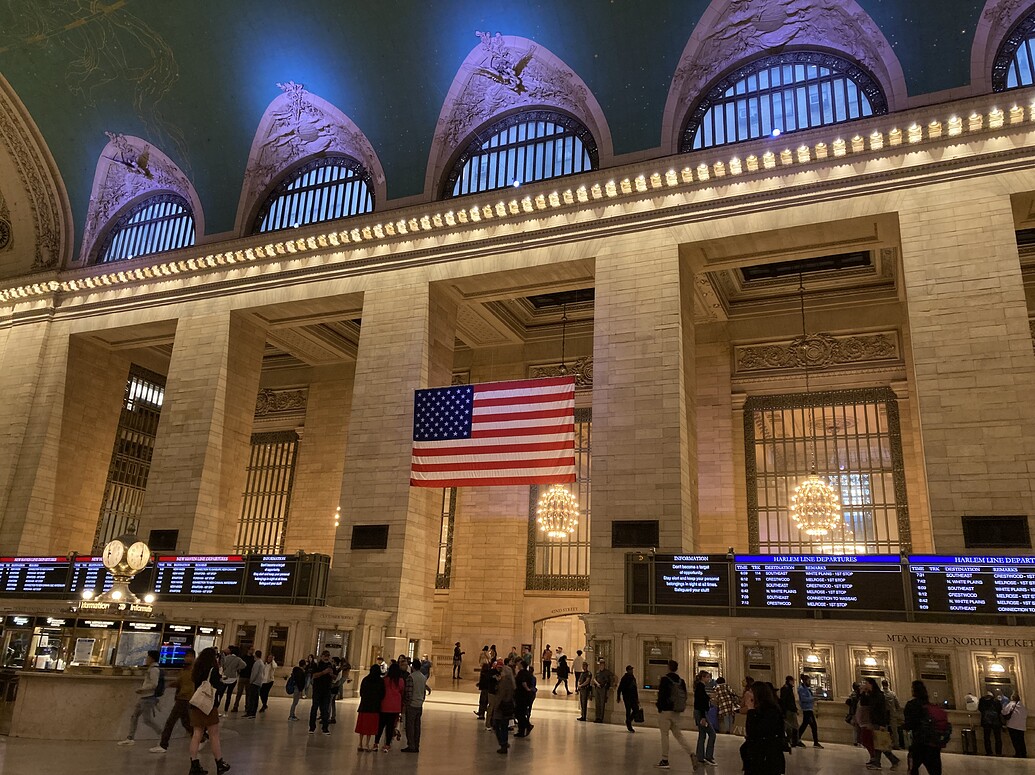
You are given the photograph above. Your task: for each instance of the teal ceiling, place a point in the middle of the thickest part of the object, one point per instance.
(194, 77)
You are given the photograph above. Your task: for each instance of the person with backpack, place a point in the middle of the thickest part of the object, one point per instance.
(150, 691)
(671, 704)
(295, 685)
(990, 711)
(765, 735)
(1016, 715)
(930, 728)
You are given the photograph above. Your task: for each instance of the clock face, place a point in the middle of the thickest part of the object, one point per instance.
(138, 555)
(113, 553)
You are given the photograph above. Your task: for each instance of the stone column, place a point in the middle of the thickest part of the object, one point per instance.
(201, 452)
(405, 344)
(644, 408)
(972, 362)
(321, 462)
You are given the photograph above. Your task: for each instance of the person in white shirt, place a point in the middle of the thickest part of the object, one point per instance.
(149, 693)
(1016, 716)
(269, 674)
(255, 679)
(578, 666)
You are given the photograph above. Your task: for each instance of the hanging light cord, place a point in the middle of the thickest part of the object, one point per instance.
(564, 332)
(805, 364)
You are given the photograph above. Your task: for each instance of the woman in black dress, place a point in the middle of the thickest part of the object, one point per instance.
(762, 751)
(562, 672)
(206, 668)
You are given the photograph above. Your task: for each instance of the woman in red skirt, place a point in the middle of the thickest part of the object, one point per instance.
(371, 692)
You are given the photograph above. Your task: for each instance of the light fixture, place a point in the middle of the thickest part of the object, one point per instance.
(813, 657)
(337, 516)
(558, 512)
(705, 652)
(869, 660)
(995, 666)
(815, 505)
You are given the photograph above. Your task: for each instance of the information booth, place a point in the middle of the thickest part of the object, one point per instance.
(18, 641)
(51, 642)
(94, 642)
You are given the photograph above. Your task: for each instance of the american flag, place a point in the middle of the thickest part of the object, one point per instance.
(497, 433)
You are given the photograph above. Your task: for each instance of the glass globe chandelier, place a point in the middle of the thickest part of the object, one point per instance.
(558, 512)
(815, 505)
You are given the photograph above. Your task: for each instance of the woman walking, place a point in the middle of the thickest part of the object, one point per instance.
(391, 706)
(562, 671)
(872, 717)
(763, 746)
(371, 694)
(206, 668)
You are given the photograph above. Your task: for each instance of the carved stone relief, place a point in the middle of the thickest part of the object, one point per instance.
(1031, 326)
(5, 224)
(817, 351)
(274, 402)
(130, 168)
(580, 368)
(461, 378)
(299, 125)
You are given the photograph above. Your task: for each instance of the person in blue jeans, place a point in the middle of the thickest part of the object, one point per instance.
(705, 730)
(807, 700)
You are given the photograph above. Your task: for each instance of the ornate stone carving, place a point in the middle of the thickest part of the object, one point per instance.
(271, 402)
(510, 73)
(746, 28)
(817, 351)
(1031, 326)
(38, 182)
(5, 224)
(129, 169)
(299, 125)
(580, 368)
(461, 378)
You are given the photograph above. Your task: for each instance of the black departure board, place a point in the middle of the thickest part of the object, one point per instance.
(89, 573)
(199, 576)
(692, 580)
(271, 576)
(828, 582)
(972, 584)
(33, 576)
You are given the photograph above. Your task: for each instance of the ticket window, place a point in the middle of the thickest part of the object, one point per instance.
(207, 637)
(94, 642)
(336, 642)
(935, 670)
(17, 641)
(873, 663)
(997, 674)
(817, 662)
(760, 664)
(245, 637)
(177, 639)
(51, 643)
(656, 654)
(276, 644)
(603, 649)
(137, 639)
(708, 656)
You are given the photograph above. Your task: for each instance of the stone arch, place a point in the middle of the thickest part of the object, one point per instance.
(130, 169)
(733, 31)
(503, 74)
(299, 126)
(36, 230)
(997, 19)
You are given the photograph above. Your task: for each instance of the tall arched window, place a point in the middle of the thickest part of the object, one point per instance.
(782, 93)
(521, 148)
(159, 223)
(319, 190)
(1014, 64)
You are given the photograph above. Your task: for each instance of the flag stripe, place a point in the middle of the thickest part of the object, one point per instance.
(559, 399)
(502, 481)
(482, 473)
(514, 429)
(493, 465)
(420, 451)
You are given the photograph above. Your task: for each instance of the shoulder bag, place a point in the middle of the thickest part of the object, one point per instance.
(204, 697)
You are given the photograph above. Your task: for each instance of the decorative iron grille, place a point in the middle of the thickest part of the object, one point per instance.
(267, 493)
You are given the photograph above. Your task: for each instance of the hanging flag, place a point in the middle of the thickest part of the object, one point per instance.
(494, 434)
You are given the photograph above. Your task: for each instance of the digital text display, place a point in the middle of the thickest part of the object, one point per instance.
(973, 584)
(44, 576)
(829, 582)
(271, 576)
(221, 576)
(692, 580)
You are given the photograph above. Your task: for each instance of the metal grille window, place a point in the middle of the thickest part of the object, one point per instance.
(564, 563)
(267, 493)
(445, 539)
(131, 457)
(858, 449)
(1014, 64)
(320, 190)
(159, 223)
(784, 93)
(524, 147)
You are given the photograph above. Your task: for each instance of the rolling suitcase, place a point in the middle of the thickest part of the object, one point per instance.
(968, 739)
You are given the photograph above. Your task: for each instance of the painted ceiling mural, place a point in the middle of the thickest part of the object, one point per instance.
(193, 78)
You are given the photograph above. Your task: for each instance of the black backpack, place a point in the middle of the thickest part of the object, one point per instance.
(160, 686)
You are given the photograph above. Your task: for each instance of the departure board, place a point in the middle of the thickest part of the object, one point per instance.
(43, 576)
(972, 584)
(271, 576)
(829, 582)
(221, 576)
(89, 573)
(692, 580)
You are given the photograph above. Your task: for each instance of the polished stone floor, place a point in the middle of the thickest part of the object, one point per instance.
(453, 742)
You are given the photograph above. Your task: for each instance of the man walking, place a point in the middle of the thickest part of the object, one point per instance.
(789, 706)
(602, 682)
(150, 691)
(255, 680)
(323, 676)
(808, 712)
(181, 704)
(672, 700)
(705, 731)
(269, 674)
(628, 693)
(231, 667)
(726, 702)
(414, 709)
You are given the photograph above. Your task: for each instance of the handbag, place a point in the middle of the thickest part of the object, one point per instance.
(638, 715)
(204, 698)
(881, 740)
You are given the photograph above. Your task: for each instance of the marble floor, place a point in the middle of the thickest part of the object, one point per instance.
(453, 742)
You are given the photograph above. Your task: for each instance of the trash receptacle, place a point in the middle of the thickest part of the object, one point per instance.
(968, 739)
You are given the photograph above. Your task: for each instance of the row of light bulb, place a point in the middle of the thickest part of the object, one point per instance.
(877, 140)
(116, 595)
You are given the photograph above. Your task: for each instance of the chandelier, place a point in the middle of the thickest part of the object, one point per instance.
(558, 512)
(815, 505)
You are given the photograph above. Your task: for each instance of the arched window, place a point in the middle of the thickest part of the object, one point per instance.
(527, 146)
(159, 223)
(1014, 64)
(782, 93)
(319, 190)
